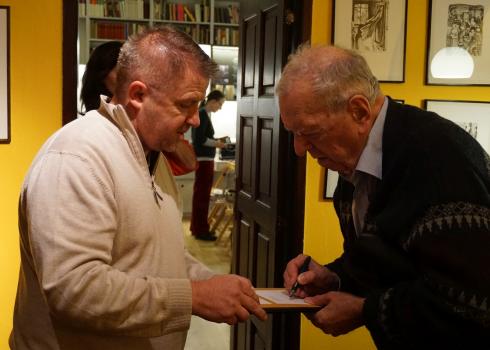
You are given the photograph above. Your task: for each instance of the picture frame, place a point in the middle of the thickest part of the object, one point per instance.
(4, 74)
(459, 24)
(330, 183)
(377, 29)
(472, 116)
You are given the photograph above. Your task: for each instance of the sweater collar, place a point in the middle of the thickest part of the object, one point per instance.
(118, 116)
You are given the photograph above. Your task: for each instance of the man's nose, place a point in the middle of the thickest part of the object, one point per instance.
(194, 120)
(300, 146)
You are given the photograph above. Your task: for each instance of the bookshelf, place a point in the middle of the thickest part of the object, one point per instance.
(212, 23)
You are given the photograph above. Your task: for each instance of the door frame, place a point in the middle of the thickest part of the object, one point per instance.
(70, 61)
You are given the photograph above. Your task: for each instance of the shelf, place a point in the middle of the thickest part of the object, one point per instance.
(163, 21)
(226, 24)
(195, 17)
(118, 19)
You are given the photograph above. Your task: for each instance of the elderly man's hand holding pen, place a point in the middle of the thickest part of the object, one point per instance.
(311, 280)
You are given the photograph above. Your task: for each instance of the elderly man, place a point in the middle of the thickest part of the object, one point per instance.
(413, 206)
(103, 259)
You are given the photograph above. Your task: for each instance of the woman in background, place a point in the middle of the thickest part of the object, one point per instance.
(100, 75)
(205, 147)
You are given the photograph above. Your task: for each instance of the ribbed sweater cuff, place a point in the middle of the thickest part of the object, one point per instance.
(179, 305)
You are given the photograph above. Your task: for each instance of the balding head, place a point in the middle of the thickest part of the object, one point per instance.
(334, 75)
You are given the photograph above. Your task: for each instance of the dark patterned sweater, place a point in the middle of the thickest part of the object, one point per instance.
(423, 260)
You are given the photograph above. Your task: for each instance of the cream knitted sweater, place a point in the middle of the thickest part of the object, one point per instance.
(103, 263)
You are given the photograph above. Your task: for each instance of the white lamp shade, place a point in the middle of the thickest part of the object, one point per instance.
(452, 63)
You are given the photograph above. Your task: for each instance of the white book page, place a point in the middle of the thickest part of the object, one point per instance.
(278, 296)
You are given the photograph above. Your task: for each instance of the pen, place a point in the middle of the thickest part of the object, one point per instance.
(302, 269)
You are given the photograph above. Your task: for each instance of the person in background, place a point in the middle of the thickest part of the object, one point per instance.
(205, 147)
(413, 203)
(103, 263)
(99, 77)
(99, 81)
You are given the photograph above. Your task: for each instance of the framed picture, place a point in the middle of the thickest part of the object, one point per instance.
(377, 30)
(459, 25)
(472, 116)
(330, 183)
(4, 74)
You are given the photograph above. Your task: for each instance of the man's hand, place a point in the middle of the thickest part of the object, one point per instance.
(317, 280)
(225, 298)
(342, 312)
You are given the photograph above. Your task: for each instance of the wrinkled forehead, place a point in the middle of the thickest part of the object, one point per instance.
(189, 79)
(298, 114)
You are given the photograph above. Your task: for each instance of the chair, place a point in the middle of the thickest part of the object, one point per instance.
(220, 216)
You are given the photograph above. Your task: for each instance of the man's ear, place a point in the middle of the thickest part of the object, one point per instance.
(137, 90)
(360, 110)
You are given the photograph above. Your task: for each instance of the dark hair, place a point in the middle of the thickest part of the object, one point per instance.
(102, 60)
(213, 95)
(159, 56)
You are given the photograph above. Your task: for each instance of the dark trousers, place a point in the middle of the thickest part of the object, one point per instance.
(200, 198)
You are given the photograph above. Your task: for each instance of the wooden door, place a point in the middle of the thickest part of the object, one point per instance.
(270, 179)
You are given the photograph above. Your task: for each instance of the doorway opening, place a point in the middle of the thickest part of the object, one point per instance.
(214, 25)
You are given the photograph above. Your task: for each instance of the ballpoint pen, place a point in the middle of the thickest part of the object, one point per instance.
(302, 269)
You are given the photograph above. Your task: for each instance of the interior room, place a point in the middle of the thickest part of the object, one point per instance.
(37, 107)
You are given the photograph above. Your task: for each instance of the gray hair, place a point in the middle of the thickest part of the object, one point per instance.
(159, 56)
(335, 75)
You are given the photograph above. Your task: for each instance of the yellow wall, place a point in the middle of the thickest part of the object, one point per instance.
(325, 244)
(35, 82)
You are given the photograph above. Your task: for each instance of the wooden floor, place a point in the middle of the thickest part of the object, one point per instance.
(204, 335)
(215, 255)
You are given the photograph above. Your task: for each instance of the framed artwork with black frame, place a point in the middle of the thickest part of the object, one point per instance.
(4, 74)
(377, 30)
(330, 183)
(454, 24)
(472, 116)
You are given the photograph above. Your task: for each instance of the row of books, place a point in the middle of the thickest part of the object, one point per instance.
(181, 12)
(229, 14)
(162, 10)
(133, 9)
(226, 36)
(114, 30)
(200, 35)
(121, 31)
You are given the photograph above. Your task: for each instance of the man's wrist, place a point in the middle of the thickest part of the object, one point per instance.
(332, 282)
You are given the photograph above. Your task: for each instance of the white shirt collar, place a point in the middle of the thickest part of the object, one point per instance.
(371, 159)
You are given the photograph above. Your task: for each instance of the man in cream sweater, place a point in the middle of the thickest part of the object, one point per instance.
(103, 263)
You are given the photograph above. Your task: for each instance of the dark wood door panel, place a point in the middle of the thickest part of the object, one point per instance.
(265, 150)
(268, 41)
(264, 259)
(246, 156)
(250, 31)
(243, 251)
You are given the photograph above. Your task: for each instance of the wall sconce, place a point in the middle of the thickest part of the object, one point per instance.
(452, 63)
